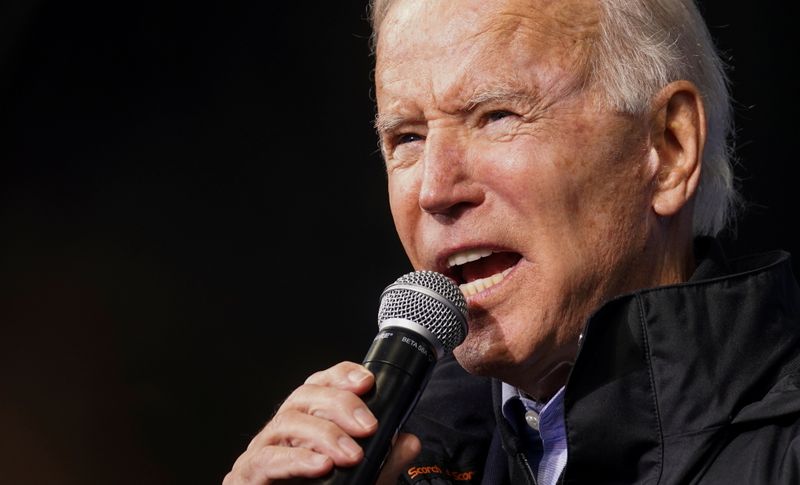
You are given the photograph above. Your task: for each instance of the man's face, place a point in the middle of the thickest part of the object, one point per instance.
(501, 161)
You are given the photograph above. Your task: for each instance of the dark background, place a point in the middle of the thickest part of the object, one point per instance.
(193, 218)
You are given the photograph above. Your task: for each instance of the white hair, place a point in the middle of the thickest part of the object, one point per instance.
(642, 46)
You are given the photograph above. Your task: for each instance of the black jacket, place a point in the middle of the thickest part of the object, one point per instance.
(691, 383)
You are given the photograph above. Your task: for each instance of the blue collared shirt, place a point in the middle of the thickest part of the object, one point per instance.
(543, 426)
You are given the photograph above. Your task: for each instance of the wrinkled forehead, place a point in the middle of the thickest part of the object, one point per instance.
(567, 24)
(556, 33)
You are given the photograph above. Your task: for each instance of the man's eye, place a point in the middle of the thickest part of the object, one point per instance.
(497, 115)
(407, 138)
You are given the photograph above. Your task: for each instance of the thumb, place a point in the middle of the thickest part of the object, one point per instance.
(405, 449)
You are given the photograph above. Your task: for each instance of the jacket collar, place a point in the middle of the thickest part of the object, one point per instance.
(661, 371)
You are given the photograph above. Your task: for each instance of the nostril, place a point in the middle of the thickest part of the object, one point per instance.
(449, 212)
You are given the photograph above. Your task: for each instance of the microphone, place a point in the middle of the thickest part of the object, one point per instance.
(422, 316)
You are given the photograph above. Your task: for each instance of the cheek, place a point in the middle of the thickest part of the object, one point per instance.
(404, 204)
(536, 181)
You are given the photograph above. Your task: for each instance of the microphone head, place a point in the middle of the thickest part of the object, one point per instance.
(431, 300)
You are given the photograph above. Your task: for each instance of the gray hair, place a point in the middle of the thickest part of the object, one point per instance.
(642, 46)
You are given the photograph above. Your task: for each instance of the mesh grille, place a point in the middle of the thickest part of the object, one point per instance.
(447, 323)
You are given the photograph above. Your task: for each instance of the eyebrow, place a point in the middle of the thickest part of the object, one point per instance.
(385, 123)
(498, 93)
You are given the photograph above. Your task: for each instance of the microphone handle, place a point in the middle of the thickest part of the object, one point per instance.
(401, 361)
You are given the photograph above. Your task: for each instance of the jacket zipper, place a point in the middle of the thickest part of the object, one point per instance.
(526, 466)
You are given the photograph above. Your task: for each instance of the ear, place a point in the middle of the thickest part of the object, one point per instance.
(678, 136)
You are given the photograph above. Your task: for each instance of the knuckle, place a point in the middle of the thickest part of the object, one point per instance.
(278, 422)
(316, 377)
(265, 458)
(232, 478)
(335, 374)
(265, 463)
(298, 400)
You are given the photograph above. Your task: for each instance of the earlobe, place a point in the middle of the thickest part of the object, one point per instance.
(679, 133)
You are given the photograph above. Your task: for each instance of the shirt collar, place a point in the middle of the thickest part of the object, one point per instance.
(515, 403)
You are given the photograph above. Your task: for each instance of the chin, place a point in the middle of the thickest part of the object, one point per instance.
(484, 356)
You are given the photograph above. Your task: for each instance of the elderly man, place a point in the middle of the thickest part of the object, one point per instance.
(566, 163)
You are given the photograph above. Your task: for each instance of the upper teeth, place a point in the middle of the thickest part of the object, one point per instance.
(467, 256)
(475, 287)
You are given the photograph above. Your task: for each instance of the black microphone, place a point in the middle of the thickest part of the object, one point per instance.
(422, 316)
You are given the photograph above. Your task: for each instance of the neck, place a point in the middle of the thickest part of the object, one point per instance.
(546, 387)
(668, 259)
(674, 255)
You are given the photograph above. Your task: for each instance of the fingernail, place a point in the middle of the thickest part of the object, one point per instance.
(357, 376)
(350, 447)
(364, 418)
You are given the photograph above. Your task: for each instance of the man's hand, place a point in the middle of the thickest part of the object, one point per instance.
(314, 429)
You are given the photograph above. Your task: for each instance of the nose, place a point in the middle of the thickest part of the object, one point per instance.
(448, 186)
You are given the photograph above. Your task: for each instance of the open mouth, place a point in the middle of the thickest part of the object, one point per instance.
(476, 270)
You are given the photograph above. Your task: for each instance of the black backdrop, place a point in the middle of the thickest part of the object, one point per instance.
(193, 218)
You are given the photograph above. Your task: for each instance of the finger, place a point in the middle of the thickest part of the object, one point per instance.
(343, 408)
(405, 449)
(295, 429)
(347, 376)
(275, 463)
